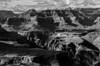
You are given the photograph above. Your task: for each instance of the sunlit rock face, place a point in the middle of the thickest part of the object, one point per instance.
(96, 42)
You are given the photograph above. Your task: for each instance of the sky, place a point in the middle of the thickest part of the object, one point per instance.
(12, 4)
(22, 5)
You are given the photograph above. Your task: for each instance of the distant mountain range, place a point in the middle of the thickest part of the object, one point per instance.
(5, 13)
(79, 17)
(49, 20)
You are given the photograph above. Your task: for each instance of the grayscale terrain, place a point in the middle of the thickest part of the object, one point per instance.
(49, 33)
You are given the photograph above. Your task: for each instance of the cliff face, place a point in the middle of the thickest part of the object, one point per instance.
(58, 30)
(57, 18)
(50, 20)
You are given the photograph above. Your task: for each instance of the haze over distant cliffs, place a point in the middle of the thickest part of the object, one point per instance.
(23, 5)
